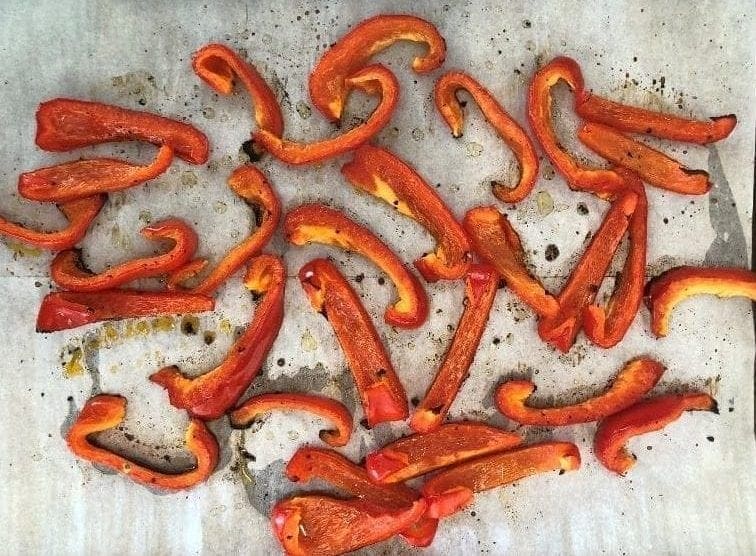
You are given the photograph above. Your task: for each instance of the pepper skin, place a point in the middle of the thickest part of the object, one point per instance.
(418, 454)
(316, 223)
(382, 394)
(481, 284)
(646, 416)
(372, 79)
(64, 310)
(217, 65)
(633, 382)
(509, 130)
(79, 214)
(210, 395)
(104, 412)
(66, 124)
(329, 84)
(383, 175)
(675, 285)
(68, 272)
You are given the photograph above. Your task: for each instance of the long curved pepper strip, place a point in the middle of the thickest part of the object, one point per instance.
(384, 175)
(375, 79)
(646, 416)
(653, 167)
(212, 394)
(68, 272)
(329, 84)
(633, 382)
(316, 223)
(65, 124)
(104, 412)
(64, 310)
(678, 284)
(495, 241)
(83, 178)
(79, 214)
(382, 394)
(508, 129)
(418, 454)
(481, 284)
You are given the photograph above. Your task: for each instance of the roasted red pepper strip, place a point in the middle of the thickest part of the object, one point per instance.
(382, 394)
(633, 382)
(325, 526)
(508, 129)
(652, 166)
(495, 241)
(496, 470)
(67, 269)
(418, 454)
(372, 79)
(329, 84)
(383, 175)
(217, 65)
(64, 310)
(105, 412)
(80, 215)
(210, 395)
(66, 124)
(646, 416)
(83, 178)
(316, 223)
(481, 284)
(673, 286)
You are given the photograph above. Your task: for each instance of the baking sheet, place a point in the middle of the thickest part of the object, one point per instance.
(692, 490)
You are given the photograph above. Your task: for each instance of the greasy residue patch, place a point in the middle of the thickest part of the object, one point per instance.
(74, 367)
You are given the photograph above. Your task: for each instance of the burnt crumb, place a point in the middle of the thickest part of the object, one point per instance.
(463, 103)
(552, 252)
(496, 341)
(208, 337)
(665, 220)
(381, 281)
(473, 514)
(359, 278)
(281, 362)
(710, 438)
(649, 448)
(70, 399)
(582, 208)
(364, 424)
(526, 23)
(189, 325)
(251, 150)
(415, 401)
(38, 284)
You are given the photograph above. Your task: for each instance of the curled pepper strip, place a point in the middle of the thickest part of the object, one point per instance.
(316, 223)
(382, 394)
(104, 412)
(675, 285)
(418, 454)
(633, 382)
(372, 79)
(481, 284)
(66, 124)
(508, 129)
(68, 272)
(383, 175)
(645, 416)
(329, 81)
(210, 395)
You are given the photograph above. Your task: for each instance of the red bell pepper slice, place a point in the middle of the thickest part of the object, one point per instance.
(675, 285)
(210, 395)
(316, 223)
(104, 412)
(382, 394)
(66, 124)
(633, 382)
(383, 175)
(418, 454)
(508, 129)
(481, 284)
(645, 416)
(329, 81)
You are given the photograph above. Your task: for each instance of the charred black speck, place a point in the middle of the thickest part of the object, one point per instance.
(251, 150)
(552, 252)
(381, 281)
(189, 325)
(208, 337)
(281, 362)
(359, 278)
(582, 208)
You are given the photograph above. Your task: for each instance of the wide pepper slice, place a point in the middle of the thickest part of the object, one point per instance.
(329, 81)
(448, 105)
(316, 223)
(633, 382)
(211, 394)
(383, 175)
(382, 394)
(104, 412)
(646, 416)
(481, 283)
